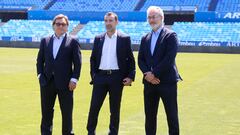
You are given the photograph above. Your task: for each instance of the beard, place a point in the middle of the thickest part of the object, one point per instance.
(155, 26)
(110, 28)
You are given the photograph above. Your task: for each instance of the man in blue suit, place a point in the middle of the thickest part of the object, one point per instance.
(58, 69)
(112, 67)
(156, 59)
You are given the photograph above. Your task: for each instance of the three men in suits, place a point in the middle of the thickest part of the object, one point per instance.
(112, 68)
(58, 69)
(156, 60)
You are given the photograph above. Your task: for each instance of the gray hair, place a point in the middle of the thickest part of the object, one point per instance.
(157, 9)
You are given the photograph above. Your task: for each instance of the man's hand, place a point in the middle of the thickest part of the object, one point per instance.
(155, 81)
(149, 76)
(127, 81)
(72, 85)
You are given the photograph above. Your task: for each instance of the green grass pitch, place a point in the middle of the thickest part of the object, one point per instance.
(208, 98)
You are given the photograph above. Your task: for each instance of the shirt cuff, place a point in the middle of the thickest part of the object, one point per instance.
(146, 73)
(38, 76)
(74, 80)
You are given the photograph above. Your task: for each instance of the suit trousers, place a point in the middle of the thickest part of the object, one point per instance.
(152, 96)
(103, 84)
(48, 97)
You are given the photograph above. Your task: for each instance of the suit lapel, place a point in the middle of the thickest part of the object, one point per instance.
(100, 44)
(118, 45)
(61, 46)
(148, 39)
(50, 47)
(158, 43)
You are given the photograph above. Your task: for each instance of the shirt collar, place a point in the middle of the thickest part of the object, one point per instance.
(158, 31)
(114, 35)
(61, 37)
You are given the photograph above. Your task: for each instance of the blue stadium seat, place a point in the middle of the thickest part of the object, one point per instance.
(228, 6)
(135, 29)
(202, 5)
(37, 4)
(207, 31)
(95, 5)
(36, 29)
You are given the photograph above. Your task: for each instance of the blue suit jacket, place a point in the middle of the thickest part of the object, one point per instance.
(162, 62)
(125, 57)
(65, 66)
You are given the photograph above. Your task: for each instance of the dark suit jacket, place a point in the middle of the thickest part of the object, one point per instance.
(67, 64)
(125, 57)
(162, 62)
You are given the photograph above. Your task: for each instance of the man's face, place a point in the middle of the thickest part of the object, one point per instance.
(110, 23)
(154, 19)
(60, 27)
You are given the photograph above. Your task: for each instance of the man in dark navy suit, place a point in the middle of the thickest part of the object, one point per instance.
(156, 59)
(58, 69)
(112, 67)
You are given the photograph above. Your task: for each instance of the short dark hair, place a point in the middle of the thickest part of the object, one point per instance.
(112, 13)
(60, 16)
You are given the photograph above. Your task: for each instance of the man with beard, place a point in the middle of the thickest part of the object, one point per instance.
(156, 59)
(112, 67)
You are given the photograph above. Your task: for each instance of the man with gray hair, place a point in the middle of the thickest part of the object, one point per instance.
(156, 59)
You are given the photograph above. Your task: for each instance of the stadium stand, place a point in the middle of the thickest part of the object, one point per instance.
(135, 29)
(228, 6)
(36, 4)
(202, 5)
(208, 31)
(222, 30)
(95, 5)
(33, 29)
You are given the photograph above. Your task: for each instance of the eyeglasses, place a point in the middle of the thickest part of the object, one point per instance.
(59, 24)
(153, 17)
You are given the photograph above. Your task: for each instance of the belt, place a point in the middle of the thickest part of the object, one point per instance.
(108, 72)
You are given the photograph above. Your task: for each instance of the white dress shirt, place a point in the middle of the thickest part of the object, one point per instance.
(109, 53)
(57, 41)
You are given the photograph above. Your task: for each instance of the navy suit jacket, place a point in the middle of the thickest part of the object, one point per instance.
(65, 66)
(125, 57)
(162, 62)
